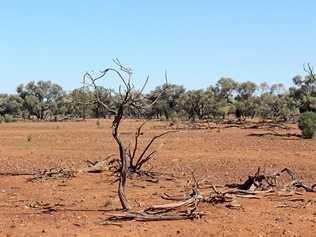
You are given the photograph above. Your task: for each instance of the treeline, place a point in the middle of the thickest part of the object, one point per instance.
(44, 100)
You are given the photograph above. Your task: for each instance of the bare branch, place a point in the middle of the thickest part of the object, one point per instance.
(160, 94)
(93, 81)
(144, 160)
(137, 134)
(149, 145)
(144, 85)
(309, 70)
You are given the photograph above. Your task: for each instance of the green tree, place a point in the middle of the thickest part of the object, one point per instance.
(80, 103)
(11, 105)
(167, 99)
(225, 88)
(304, 91)
(275, 103)
(246, 102)
(106, 96)
(42, 99)
(197, 103)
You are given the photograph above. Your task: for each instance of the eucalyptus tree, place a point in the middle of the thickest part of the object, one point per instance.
(225, 88)
(168, 100)
(304, 91)
(197, 103)
(11, 105)
(42, 98)
(245, 101)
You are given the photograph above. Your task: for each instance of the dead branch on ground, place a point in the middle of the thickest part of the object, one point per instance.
(264, 182)
(53, 173)
(205, 124)
(45, 174)
(275, 134)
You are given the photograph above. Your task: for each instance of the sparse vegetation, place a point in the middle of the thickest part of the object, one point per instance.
(207, 127)
(228, 104)
(45, 100)
(7, 118)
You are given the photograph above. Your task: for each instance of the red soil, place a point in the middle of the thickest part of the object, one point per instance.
(220, 156)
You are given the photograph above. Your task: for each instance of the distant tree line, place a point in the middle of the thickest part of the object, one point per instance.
(44, 100)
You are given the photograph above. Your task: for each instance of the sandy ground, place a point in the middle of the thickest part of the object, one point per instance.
(219, 156)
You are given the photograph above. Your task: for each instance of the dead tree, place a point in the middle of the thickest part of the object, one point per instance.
(128, 98)
(310, 71)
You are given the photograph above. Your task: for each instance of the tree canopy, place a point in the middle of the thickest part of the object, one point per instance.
(45, 100)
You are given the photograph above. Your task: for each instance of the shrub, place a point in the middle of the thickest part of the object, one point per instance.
(174, 116)
(8, 118)
(162, 118)
(307, 123)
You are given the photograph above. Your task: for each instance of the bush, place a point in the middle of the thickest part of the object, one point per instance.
(174, 116)
(307, 123)
(8, 118)
(162, 118)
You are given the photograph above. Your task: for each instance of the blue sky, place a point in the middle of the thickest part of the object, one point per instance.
(196, 41)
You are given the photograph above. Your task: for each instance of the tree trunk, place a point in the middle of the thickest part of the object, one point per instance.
(123, 158)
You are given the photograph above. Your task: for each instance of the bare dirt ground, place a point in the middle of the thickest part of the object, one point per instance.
(220, 156)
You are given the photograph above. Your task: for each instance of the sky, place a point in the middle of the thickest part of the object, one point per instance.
(197, 42)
